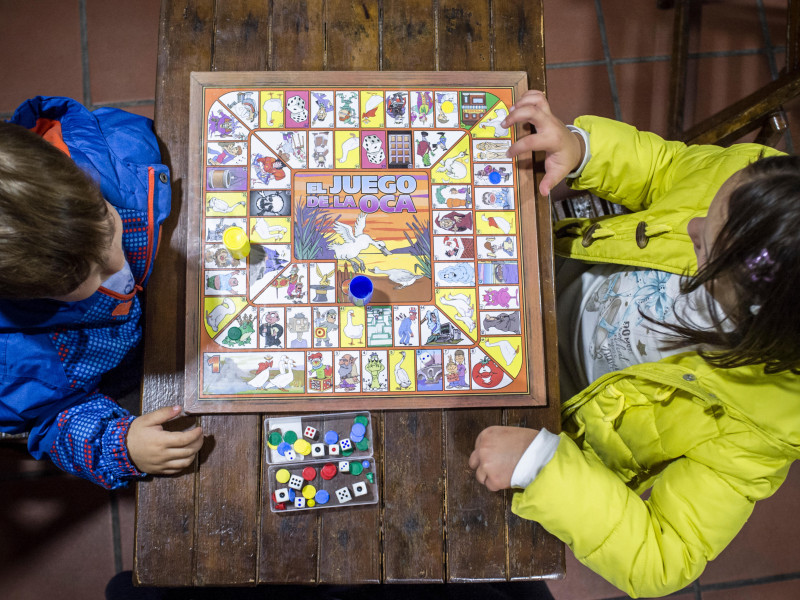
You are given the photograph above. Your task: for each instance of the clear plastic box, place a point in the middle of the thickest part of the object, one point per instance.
(299, 449)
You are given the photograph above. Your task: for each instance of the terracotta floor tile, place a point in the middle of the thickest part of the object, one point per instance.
(767, 545)
(579, 91)
(730, 25)
(645, 111)
(62, 547)
(651, 35)
(571, 32)
(123, 46)
(781, 590)
(41, 45)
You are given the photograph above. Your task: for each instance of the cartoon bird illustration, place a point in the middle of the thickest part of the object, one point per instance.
(219, 205)
(218, 314)
(498, 222)
(284, 377)
(355, 242)
(400, 375)
(371, 108)
(464, 309)
(506, 349)
(266, 231)
(499, 131)
(402, 277)
(455, 169)
(351, 330)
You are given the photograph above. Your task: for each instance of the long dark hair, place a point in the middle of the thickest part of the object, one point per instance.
(757, 254)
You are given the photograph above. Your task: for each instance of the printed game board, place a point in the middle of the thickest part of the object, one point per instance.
(401, 177)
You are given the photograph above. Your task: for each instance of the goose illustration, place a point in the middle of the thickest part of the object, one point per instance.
(219, 205)
(455, 169)
(355, 242)
(499, 130)
(506, 349)
(498, 222)
(402, 277)
(266, 231)
(262, 375)
(464, 309)
(400, 375)
(351, 330)
(282, 379)
(218, 314)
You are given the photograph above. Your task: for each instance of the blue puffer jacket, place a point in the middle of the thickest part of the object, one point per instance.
(53, 354)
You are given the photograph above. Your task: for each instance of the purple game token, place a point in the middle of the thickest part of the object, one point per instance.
(331, 437)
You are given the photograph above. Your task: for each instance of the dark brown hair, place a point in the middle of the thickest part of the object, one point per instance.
(54, 224)
(757, 252)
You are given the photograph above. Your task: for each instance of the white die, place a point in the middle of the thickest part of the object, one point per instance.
(310, 432)
(360, 488)
(372, 144)
(290, 455)
(346, 444)
(376, 158)
(343, 495)
(317, 450)
(282, 495)
(296, 482)
(295, 104)
(344, 466)
(333, 449)
(299, 502)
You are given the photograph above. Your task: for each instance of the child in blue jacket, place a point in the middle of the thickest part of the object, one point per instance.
(82, 198)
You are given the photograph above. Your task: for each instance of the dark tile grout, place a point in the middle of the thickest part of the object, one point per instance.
(612, 78)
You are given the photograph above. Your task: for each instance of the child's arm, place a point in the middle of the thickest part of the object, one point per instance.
(157, 451)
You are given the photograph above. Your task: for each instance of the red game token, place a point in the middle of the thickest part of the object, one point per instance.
(329, 471)
(309, 473)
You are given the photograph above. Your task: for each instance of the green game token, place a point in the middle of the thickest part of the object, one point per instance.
(290, 437)
(275, 438)
(347, 452)
(361, 419)
(356, 468)
(363, 444)
(234, 333)
(371, 477)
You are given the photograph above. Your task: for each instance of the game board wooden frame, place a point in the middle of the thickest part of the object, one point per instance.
(528, 232)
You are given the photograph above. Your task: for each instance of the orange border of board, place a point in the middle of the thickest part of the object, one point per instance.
(533, 392)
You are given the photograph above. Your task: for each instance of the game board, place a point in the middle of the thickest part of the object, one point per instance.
(402, 177)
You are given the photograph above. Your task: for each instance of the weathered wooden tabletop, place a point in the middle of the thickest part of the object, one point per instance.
(213, 525)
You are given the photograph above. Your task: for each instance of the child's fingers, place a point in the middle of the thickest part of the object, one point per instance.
(160, 416)
(183, 439)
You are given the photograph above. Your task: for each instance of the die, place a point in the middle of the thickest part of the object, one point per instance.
(360, 488)
(346, 444)
(372, 143)
(282, 495)
(343, 495)
(296, 482)
(344, 466)
(310, 433)
(317, 450)
(333, 449)
(299, 502)
(290, 455)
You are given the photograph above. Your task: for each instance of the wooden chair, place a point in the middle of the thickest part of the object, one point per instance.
(761, 109)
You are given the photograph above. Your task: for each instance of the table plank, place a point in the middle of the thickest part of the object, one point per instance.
(165, 507)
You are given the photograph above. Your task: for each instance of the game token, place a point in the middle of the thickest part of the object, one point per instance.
(322, 497)
(274, 439)
(302, 447)
(365, 464)
(494, 177)
(362, 419)
(356, 468)
(309, 491)
(358, 429)
(283, 447)
(371, 477)
(329, 471)
(282, 475)
(290, 437)
(235, 240)
(331, 437)
(309, 473)
(347, 452)
(363, 445)
(360, 290)
(310, 503)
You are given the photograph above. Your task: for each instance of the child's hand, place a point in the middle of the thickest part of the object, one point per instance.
(564, 150)
(159, 452)
(497, 452)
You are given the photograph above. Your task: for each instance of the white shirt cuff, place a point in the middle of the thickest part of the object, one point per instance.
(542, 449)
(586, 154)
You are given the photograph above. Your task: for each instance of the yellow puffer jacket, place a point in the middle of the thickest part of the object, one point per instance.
(710, 442)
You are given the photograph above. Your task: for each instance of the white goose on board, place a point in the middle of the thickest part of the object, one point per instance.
(355, 241)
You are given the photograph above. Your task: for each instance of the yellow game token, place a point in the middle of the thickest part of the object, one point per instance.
(282, 475)
(235, 240)
(309, 492)
(311, 503)
(302, 447)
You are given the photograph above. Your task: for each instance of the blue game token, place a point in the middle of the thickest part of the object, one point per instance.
(292, 495)
(494, 177)
(283, 447)
(365, 464)
(331, 437)
(322, 497)
(358, 429)
(356, 438)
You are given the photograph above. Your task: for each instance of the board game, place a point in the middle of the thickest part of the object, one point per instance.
(331, 178)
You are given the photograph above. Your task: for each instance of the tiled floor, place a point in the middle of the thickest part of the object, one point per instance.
(64, 538)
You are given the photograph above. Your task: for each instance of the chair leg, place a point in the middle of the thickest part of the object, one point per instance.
(686, 21)
(773, 129)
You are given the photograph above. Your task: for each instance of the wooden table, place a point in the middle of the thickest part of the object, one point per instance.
(435, 523)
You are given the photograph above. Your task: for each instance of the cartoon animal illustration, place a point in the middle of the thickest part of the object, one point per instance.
(371, 108)
(355, 241)
(218, 313)
(272, 105)
(464, 308)
(506, 349)
(503, 322)
(262, 374)
(266, 231)
(499, 130)
(374, 367)
(282, 380)
(348, 146)
(402, 277)
(219, 205)
(498, 222)
(400, 376)
(457, 274)
(351, 330)
(499, 297)
(453, 167)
